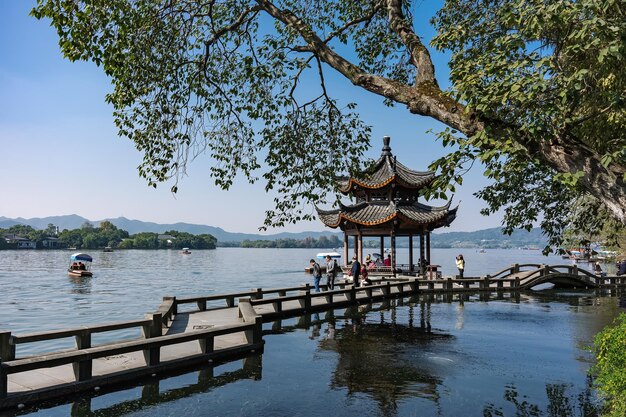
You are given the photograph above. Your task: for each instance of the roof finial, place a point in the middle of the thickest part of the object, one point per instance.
(386, 147)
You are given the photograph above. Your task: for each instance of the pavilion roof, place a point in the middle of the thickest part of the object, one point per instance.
(377, 213)
(384, 171)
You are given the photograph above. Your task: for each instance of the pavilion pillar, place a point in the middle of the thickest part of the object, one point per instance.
(359, 255)
(411, 268)
(356, 247)
(393, 252)
(428, 247)
(346, 260)
(422, 254)
(382, 247)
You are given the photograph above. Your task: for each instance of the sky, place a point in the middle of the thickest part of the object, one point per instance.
(60, 152)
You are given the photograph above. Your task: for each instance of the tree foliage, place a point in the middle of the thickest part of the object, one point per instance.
(537, 91)
(610, 370)
(107, 234)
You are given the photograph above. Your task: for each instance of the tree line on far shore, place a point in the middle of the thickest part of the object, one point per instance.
(105, 235)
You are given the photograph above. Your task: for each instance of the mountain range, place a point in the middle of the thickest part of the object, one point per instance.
(486, 238)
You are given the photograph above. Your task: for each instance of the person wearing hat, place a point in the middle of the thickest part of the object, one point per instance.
(331, 272)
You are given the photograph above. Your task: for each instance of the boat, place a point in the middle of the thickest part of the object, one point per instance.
(323, 255)
(80, 265)
(186, 251)
(107, 249)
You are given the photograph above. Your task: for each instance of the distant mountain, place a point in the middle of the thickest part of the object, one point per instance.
(486, 238)
(136, 226)
(490, 238)
(71, 221)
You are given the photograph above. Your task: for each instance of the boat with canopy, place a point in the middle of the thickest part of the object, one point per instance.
(80, 265)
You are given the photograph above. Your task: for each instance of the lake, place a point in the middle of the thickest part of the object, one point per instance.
(419, 357)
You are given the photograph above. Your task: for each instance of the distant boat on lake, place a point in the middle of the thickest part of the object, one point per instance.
(80, 265)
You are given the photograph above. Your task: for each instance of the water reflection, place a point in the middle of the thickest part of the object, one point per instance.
(379, 355)
(563, 401)
(151, 393)
(80, 285)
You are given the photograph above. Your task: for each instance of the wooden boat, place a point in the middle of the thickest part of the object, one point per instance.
(107, 249)
(80, 265)
(186, 251)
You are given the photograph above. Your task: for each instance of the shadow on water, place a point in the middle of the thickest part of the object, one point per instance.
(153, 390)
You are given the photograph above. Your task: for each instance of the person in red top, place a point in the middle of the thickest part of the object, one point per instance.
(387, 260)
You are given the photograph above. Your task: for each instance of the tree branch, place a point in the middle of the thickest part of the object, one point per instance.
(420, 57)
(425, 99)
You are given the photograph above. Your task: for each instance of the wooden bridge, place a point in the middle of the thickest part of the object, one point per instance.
(190, 331)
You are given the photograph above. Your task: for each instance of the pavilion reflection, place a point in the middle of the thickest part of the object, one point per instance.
(379, 354)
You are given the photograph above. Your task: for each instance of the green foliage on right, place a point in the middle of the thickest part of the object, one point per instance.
(610, 370)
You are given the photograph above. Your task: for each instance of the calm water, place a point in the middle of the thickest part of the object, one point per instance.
(420, 357)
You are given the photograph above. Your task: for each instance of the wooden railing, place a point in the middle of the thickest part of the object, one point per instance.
(81, 358)
(151, 327)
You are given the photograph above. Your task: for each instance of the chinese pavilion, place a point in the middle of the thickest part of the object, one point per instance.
(387, 204)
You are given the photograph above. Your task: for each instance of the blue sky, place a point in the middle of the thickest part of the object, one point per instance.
(61, 153)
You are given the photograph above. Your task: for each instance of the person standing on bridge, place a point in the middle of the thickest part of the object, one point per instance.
(460, 264)
(355, 271)
(331, 272)
(317, 274)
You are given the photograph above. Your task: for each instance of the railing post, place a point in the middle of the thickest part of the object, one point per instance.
(259, 293)
(257, 335)
(202, 304)
(83, 369)
(517, 283)
(83, 339)
(486, 282)
(448, 284)
(207, 344)
(387, 289)
(174, 304)
(515, 268)
(282, 293)
(154, 329)
(7, 349)
(230, 301)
